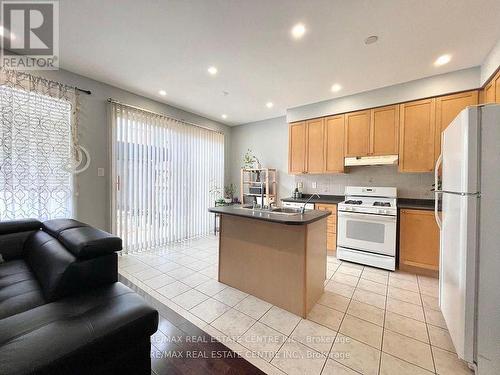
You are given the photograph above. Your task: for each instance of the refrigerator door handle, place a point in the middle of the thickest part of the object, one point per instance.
(437, 191)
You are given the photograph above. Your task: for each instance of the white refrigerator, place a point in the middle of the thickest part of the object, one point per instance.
(469, 268)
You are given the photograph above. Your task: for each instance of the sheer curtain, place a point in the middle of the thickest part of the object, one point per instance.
(37, 133)
(163, 172)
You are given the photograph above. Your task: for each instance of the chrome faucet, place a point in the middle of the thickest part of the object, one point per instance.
(303, 208)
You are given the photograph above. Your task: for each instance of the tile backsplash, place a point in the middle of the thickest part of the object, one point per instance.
(410, 185)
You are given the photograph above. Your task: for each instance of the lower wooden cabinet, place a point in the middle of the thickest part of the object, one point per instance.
(331, 227)
(418, 241)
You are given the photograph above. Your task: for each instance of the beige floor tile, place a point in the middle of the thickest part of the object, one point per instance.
(334, 368)
(233, 323)
(339, 288)
(173, 289)
(136, 268)
(167, 267)
(381, 279)
(428, 290)
(209, 310)
(195, 279)
(334, 301)
(410, 285)
(180, 273)
(404, 295)
(435, 318)
(428, 281)
(355, 355)
(253, 306)
(362, 330)
(295, 358)
(408, 349)
(147, 274)
(370, 298)
(345, 279)
(440, 338)
(159, 281)
(378, 271)
(366, 312)
(372, 286)
(349, 270)
(403, 275)
(449, 364)
(211, 287)
(262, 340)
(230, 296)
(189, 299)
(326, 316)
(390, 365)
(280, 320)
(406, 309)
(314, 335)
(353, 265)
(430, 302)
(406, 326)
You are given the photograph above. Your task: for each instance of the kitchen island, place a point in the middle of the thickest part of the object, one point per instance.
(276, 256)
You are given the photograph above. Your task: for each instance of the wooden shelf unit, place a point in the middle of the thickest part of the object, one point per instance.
(265, 176)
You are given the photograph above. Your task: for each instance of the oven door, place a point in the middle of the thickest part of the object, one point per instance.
(368, 232)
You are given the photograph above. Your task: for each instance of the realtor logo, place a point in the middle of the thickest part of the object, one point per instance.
(30, 35)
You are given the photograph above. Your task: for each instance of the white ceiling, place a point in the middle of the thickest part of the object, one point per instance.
(144, 46)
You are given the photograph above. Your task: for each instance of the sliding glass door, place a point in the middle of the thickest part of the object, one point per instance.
(163, 171)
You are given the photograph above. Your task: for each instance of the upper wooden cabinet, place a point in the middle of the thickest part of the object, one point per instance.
(297, 147)
(384, 130)
(315, 156)
(491, 92)
(447, 108)
(334, 144)
(357, 133)
(417, 136)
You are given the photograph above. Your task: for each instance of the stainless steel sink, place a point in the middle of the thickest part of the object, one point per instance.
(278, 210)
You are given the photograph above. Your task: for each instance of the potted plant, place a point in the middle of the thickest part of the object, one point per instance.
(229, 191)
(216, 193)
(250, 161)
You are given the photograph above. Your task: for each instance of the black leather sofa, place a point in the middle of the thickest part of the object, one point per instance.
(62, 310)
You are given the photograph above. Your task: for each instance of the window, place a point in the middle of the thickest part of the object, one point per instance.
(35, 147)
(163, 171)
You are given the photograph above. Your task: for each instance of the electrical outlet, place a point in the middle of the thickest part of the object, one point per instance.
(100, 172)
(300, 185)
(314, 185)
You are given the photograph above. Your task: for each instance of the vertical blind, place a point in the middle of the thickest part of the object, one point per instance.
(35, 145)
(163, 172)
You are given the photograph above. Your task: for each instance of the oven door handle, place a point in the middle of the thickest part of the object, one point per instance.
(372, 217)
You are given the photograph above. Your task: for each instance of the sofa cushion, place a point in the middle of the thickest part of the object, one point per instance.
(80, 329)
(89, 242)
(19, 290)
(56, 226)
(49, 260)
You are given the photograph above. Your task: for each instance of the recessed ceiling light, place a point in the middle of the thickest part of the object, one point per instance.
(298, 31)
(224, 116)
(212, 70)
(442, 60)
(336, 87)
(269, 104)
(371, 39)
(162, 92)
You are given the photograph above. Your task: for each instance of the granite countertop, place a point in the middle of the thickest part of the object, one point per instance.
(323, 199)
(308, 217)
(411, 203)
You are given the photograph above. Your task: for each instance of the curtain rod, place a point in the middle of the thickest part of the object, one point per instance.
(111, 100)
(88, 92)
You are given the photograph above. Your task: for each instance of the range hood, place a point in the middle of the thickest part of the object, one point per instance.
(371, 160)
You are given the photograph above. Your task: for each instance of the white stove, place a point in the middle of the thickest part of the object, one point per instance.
(367, 222)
